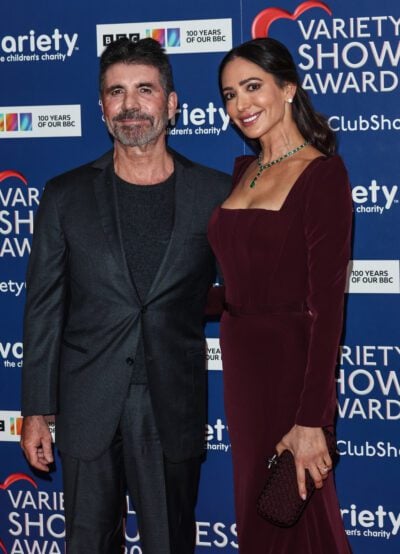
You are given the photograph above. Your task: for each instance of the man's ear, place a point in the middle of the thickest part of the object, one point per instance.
(172, 104)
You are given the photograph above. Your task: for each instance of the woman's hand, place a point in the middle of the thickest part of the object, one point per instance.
(308, 446)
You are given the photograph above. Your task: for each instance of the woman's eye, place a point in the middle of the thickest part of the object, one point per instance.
(228, 96)
(253, 86)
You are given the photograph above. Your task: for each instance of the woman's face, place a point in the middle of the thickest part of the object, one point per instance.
(255, 103)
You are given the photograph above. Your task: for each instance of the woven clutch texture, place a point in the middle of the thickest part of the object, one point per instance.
(279, 501)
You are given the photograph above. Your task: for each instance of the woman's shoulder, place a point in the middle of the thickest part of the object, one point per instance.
(240, 165)
(327, 182)
(327, 165)
(326, 172)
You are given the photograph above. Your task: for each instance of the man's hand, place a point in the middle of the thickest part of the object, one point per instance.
(36, 442)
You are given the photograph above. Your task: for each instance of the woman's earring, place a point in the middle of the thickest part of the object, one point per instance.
(289, 100)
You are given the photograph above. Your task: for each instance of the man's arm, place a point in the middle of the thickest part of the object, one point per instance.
(43, 324)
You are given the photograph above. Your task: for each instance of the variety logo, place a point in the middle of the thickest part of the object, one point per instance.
(35, 517)
(371, 523)
(217, 436)
(374, 277)
(10, 173)
(177, 37)
(18, 202)
(10, 480)
(40, 121)
(11, 353)
(355, 55)
(198, 121)
(368, 383)
(264, 19)
(31, 47)
(374, 198)
(12, 287)
(14, 478)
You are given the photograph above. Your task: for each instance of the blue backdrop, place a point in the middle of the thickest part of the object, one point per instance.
(50, 121)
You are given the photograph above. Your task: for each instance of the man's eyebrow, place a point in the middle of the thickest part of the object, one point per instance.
(145, 84)
(113, 87)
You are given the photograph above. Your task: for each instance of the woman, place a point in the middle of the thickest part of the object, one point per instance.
(282, 239)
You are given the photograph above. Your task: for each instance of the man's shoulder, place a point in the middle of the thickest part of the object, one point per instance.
(202, 171)
(82, 173)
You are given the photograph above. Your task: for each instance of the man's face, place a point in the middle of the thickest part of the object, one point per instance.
(135, 108)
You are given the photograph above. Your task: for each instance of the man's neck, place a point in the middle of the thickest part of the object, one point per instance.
(145, 165)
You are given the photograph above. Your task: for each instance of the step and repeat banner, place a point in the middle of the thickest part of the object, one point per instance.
(349, 55)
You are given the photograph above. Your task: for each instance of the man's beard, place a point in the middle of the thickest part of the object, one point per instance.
(137, 135)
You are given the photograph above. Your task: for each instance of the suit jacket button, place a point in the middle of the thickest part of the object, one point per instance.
(129, 361)
(144, 309)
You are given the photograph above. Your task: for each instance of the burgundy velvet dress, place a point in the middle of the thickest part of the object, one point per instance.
(284, 274)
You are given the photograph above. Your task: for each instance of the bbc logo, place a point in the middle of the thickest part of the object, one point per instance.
(2, 425)
(108, 39)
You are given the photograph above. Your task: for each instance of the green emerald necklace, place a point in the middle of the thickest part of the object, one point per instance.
(262, 167)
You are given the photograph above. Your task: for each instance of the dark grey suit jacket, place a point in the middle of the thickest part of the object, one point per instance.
(83, 317)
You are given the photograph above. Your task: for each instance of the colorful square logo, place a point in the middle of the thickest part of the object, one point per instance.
(1, 122)
(25, 122)
(11, 122)
(174, 37)
(156, 34)
(16, 425)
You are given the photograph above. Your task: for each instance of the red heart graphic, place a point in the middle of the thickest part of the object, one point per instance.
(14, 477)
(10, 173)
(263, 20)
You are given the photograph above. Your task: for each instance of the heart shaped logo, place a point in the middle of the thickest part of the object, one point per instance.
(264, 19)
(10, 173)
(14, 477)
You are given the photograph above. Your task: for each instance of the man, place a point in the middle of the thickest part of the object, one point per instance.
(114, 344)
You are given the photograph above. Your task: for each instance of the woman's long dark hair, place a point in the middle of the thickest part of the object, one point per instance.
(274, 58)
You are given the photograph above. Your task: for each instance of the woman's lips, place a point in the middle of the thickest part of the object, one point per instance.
(249, 119)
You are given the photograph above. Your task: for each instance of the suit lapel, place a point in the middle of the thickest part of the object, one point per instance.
(104, 189)
(184, 197)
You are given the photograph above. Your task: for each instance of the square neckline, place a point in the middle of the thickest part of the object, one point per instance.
(283, 205)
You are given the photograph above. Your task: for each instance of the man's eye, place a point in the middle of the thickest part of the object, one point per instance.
(145, 90)
(116, 91)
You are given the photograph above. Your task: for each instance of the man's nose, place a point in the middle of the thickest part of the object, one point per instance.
(131, 101)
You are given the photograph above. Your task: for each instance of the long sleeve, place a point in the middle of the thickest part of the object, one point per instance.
(44, 310)
(327, 221)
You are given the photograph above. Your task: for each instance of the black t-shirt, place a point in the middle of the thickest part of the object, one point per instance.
(146, 215)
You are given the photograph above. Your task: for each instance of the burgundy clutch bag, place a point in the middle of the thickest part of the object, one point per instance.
(279, 501)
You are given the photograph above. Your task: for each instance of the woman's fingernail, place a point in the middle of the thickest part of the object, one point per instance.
(304, 496)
